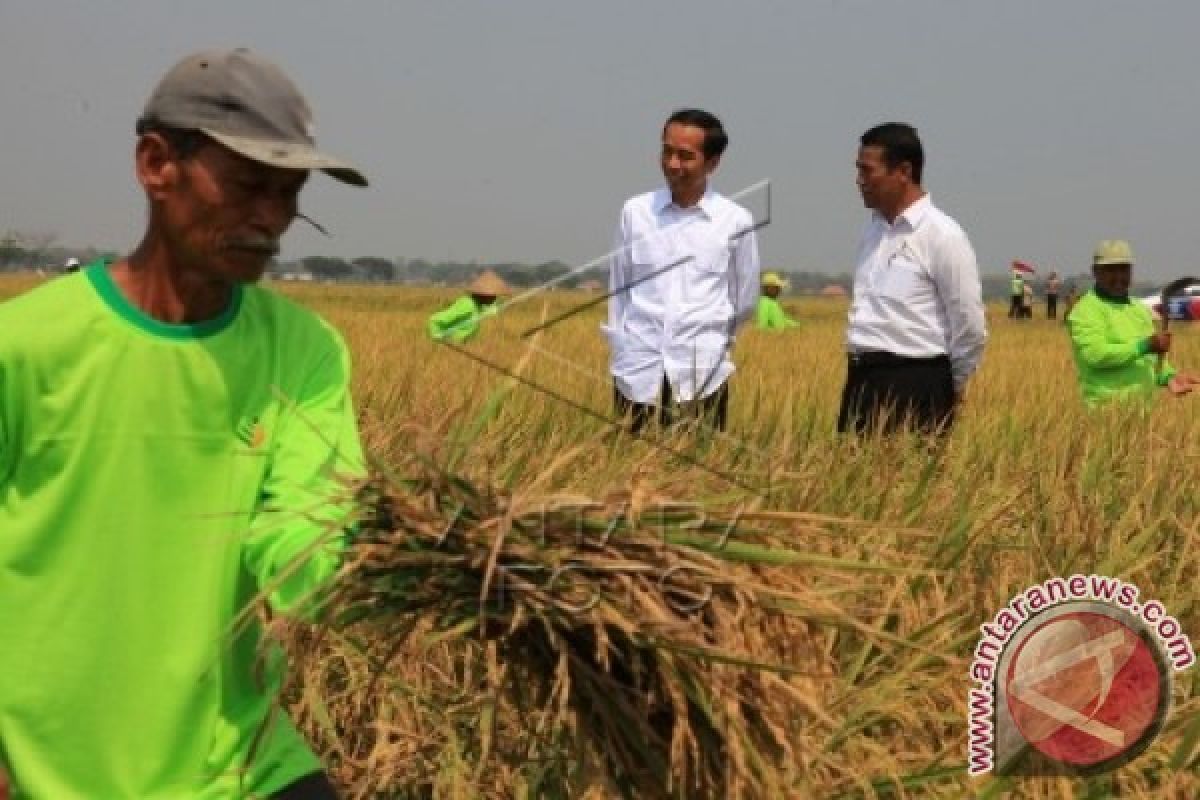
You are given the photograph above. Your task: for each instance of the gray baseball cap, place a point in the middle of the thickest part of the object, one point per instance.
(247, 104)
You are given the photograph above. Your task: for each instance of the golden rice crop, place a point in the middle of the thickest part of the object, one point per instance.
(867, 697)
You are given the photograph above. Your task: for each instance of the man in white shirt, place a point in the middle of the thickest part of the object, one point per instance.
(683, 277)
(916, 325)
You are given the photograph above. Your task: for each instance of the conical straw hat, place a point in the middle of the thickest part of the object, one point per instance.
(490, 284)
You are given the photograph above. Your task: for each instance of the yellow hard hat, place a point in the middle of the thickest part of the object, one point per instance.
(1112, 251)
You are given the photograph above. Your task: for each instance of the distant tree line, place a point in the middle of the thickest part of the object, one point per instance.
(374, 269)
(23, 251)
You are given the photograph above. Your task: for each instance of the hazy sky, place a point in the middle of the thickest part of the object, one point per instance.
(504, 131)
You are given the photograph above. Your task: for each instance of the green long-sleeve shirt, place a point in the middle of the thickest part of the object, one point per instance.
(1108, 337)
(154, 478)
(460, 320)
(770, 315)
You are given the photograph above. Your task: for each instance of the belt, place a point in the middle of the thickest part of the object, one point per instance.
(881, 359)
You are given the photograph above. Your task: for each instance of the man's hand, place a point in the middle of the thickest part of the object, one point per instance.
(1159, 343)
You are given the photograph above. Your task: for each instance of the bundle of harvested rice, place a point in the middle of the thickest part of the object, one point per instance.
(625, 645)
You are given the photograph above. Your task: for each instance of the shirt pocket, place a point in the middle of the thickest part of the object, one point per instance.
(651, 252)
(712, 258)
(901, 279)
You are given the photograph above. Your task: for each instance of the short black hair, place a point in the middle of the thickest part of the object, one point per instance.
(715, 138)
(900, 143)
(183, 141)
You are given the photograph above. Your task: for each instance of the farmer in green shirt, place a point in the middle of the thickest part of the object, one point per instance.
(175, 442)
(460, 321)
(1117, 351)
(770, 315)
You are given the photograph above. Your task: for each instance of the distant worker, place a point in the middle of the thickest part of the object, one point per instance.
(1113, 337)
(1053, 284)
(460, 321)
(770, 315)
(1016, 295)
(917, 325)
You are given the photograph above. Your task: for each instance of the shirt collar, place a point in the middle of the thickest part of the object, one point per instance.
(911, 217)
(1122, 299)
(662, 201)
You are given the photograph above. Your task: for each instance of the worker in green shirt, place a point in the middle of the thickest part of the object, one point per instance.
(176, 443)
(1016, 293)
(1117, 351)
(770, 316)
(460, 321)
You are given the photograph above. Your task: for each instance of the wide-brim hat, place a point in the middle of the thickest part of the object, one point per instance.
(247, 104)
(489, 284)
(1112, 252)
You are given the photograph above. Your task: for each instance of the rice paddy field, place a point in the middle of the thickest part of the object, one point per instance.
(835, 586)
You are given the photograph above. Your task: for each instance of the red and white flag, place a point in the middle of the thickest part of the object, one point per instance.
(1023, 267)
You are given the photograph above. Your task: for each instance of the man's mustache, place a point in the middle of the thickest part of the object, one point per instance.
(267, 245)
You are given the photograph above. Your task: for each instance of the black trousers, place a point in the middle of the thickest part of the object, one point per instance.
(315, 786)
(1051, 306)
(886, 393)
(714, 408)
(1016, 308)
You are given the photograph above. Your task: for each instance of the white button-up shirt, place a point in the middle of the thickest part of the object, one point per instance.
(917, 291)
(682, 281)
